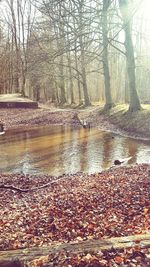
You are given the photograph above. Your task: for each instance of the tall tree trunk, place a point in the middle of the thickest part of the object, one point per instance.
(60, 46)
(82, 51)
(108, 98)
(134, 99)
(23, 79)
(84, 80)
(62, 82)
(71, 89)
(15, 40)
(70, 79)
(78, 74)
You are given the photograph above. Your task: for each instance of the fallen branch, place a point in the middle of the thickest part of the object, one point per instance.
(26, 190)
(22, 190)
(28, 254)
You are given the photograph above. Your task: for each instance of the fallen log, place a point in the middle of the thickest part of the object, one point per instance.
(28, 254)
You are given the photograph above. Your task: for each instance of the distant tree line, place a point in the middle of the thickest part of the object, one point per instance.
(75, 52)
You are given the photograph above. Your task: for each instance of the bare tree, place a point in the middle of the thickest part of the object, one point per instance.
(72, 53)
(20, 20)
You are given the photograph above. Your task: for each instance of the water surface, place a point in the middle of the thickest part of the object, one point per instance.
(59, 149)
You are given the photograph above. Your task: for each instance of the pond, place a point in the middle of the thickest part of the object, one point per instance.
(56, 150)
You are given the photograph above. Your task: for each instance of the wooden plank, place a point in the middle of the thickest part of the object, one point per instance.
(24, 255)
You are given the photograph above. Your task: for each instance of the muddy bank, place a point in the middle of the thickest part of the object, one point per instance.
(136, 125)
(16, 118)
(118, 120)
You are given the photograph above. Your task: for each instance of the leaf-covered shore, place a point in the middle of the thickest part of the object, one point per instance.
(75, 208)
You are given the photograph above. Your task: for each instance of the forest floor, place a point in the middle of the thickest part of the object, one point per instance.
(78, 207)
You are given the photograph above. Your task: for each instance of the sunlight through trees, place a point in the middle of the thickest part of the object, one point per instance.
(76, 52)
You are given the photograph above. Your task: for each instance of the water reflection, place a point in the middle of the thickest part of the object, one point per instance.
(64, 149)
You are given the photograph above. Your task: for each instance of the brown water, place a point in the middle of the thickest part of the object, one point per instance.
(64, 149)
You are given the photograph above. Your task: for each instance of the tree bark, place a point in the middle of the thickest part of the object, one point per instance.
(108, 98)
(62, 83)
(82, 49)
(70, 80)
(61, 45)
(134, 104)
(78, 75)
(17, 48)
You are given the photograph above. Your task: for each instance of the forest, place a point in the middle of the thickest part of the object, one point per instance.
(75, 52)
(74, 133)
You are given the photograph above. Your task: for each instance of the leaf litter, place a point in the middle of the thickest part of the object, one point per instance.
(76, 208)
